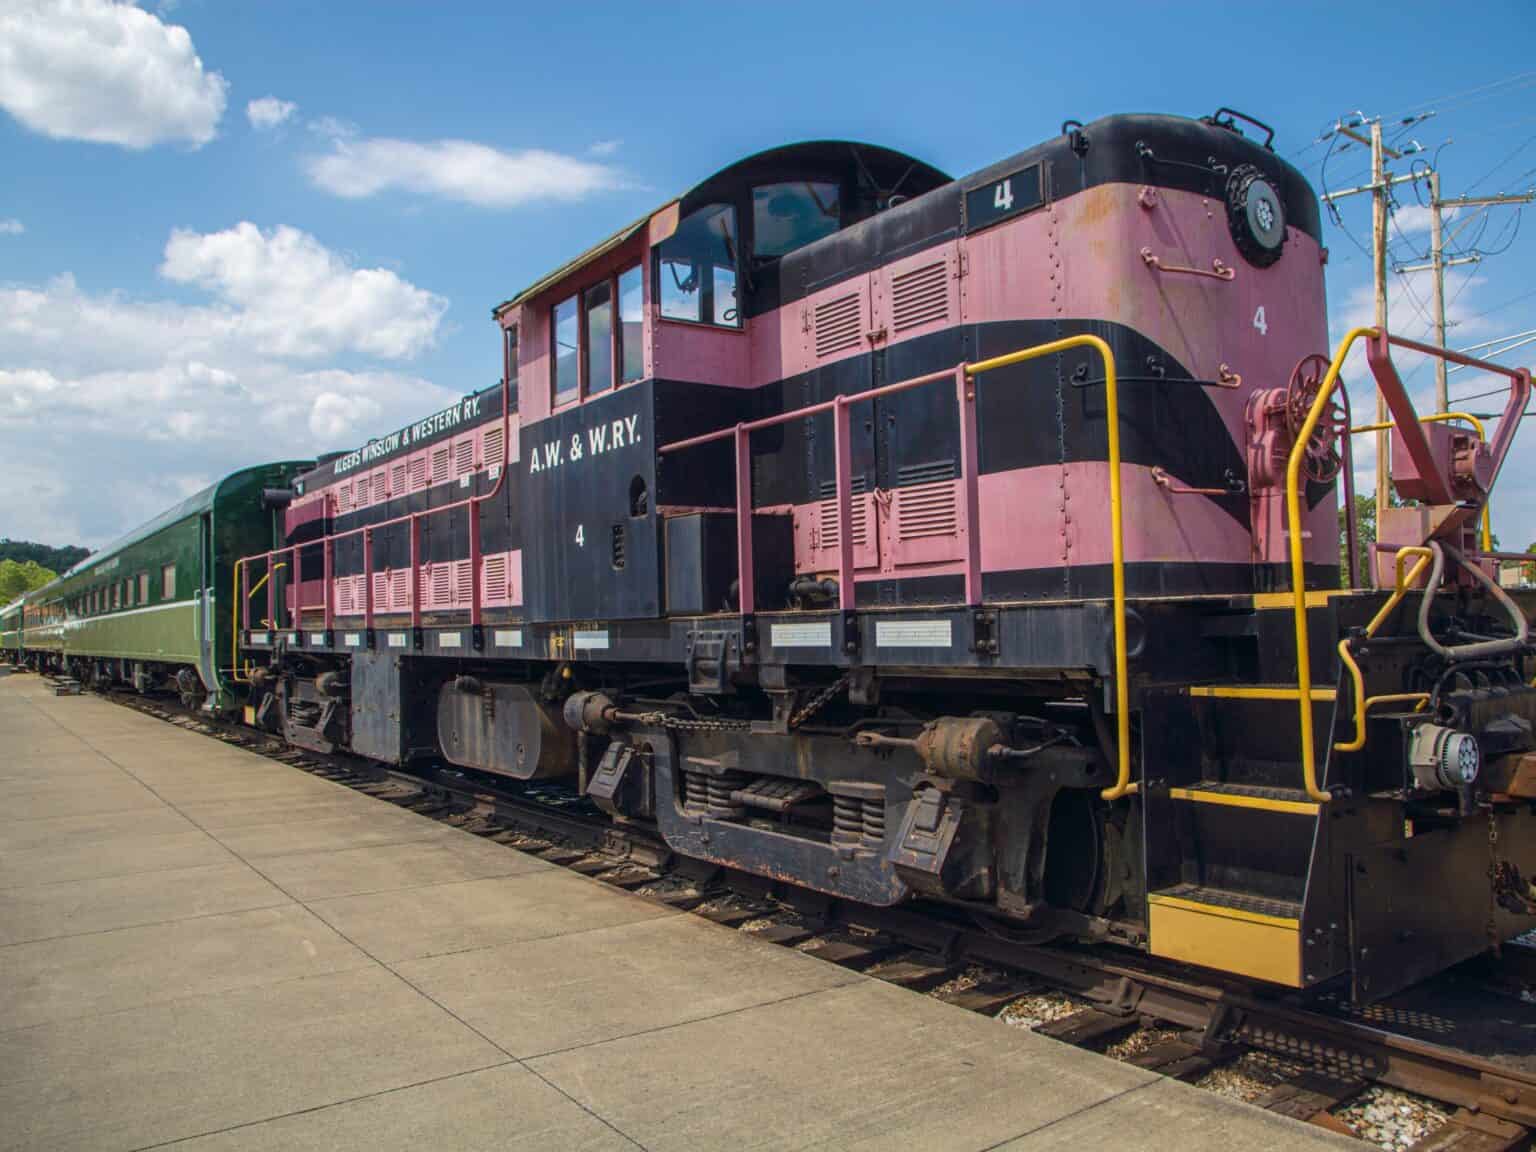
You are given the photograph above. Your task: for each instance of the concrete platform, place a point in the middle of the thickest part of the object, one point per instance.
(203, 948)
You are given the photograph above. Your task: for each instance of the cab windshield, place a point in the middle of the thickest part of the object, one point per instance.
(789, 216)
(697, 269)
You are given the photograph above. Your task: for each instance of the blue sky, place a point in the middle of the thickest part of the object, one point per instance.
(188, 285)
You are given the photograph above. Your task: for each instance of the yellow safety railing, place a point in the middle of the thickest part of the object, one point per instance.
(234, 626)
(1298, 560)
(234, 612)
(1440, 418)
(1123, 785)
(1362, 704)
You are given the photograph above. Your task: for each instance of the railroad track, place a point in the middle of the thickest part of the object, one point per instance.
(1317, 1055)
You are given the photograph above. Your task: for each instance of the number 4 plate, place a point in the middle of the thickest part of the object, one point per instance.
(1006, 195)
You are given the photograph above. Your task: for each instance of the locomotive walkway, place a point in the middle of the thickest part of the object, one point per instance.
(204, 948)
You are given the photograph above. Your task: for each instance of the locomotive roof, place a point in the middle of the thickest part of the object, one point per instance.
(885, 165)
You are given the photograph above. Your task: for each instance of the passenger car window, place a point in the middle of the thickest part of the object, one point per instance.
(789, 216)
(564, 350)
(631, 326)
(168, 582)
(598, 301)
(697, 269)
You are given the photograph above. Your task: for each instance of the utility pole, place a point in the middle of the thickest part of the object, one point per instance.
(1438, 263)
(1379, 269)
(1379, 186)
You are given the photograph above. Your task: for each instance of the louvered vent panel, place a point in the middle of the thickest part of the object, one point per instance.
(400, 589)
(344, 499)
(362, 491)
(381, 592)
(839, 324)
(442, 586)
(495, 581)
(397, 480)
(439, 465)
(344, 600)
(920, 296)
(418, 472)
(463, 457)
(925, 510)
(493, 446)
(925, 473)
(464, 579)
(830, 537)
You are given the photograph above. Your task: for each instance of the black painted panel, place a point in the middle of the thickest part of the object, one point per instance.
(578, 468)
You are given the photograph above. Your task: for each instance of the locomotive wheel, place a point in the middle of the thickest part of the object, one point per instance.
(1321, 462)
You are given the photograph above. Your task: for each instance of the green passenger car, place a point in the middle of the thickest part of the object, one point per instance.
(10, 632)
(144, 610)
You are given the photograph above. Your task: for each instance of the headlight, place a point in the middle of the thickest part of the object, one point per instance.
(1442, 758)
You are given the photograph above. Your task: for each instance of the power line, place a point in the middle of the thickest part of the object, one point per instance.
(1520, 79)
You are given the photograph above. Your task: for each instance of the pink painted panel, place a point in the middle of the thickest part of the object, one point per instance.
(702, 354)
(835, 323)
(1081, 257)
(816, 535)
(920, 526)
(445, 587)
(1044, 517)
(776, 347)
(917, 295)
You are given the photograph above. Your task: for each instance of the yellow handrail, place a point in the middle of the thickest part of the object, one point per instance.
(234, 614)
(1123, 785)
(234, 625)
(1298, 559)
(1400, 589)
(1440, 418)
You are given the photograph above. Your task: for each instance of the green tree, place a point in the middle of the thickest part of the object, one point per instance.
(17, 579)
(59, 559)
(1365, 518)
(1528, 571)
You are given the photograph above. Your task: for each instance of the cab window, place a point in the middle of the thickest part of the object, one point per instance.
(598, 303)
(697, 269)
(565, 336)
(632, 327)
(789, 216)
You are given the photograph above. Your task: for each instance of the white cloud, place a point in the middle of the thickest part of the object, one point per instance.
(459, 170)
(295, 297)
(10, 226)
(1412, 219)
(177, 394)
(269, 112)
(332, 127)
(105, 72)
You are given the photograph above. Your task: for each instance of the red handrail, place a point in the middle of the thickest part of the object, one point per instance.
(328, 542)
(842, 451)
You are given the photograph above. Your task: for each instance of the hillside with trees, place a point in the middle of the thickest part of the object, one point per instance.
(55, 559)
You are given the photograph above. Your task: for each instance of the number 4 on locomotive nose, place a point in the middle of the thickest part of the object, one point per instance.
(1002, 196)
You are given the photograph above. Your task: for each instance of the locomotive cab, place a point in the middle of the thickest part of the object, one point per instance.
(698, 287)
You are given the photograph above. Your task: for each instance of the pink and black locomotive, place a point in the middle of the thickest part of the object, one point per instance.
(965, 540)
